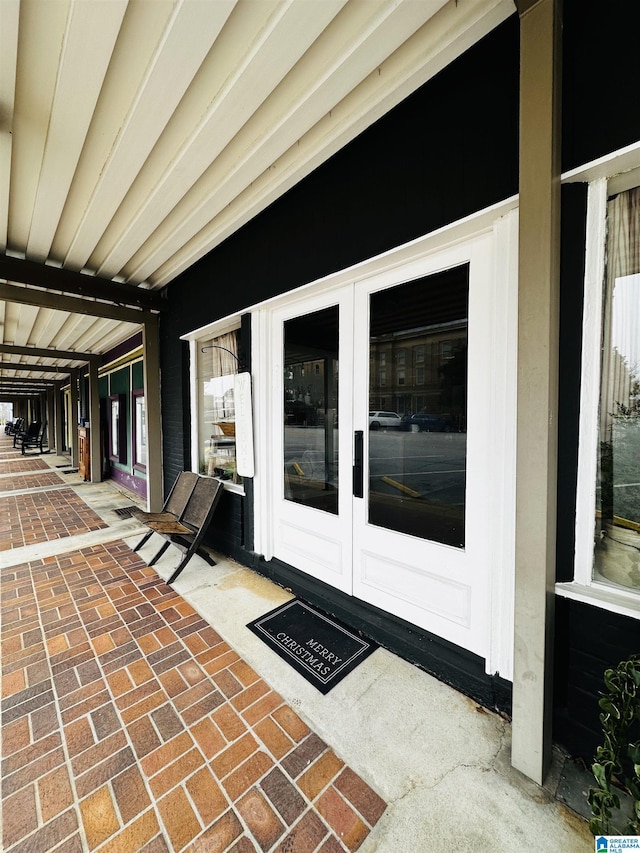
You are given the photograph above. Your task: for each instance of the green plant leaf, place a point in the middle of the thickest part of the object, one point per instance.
(620, 719)
(609, 707)
(633, 751)
(599, 772)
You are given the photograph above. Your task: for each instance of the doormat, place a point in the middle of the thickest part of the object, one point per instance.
(320, 648)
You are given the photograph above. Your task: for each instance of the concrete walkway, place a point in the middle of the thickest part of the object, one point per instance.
(438, 761)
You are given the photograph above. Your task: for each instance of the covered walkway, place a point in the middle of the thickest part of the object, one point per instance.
(140, 717)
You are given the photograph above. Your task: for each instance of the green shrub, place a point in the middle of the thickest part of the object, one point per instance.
(617, 760)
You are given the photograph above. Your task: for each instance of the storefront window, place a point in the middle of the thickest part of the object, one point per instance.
(140, 427)
(117, 428)
(617, 517)
(217, 364)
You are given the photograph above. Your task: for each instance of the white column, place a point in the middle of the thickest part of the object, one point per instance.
(50, 434)
(151, 356)
(73, 426)
(57, 419)
(536, 462)
(95, 449)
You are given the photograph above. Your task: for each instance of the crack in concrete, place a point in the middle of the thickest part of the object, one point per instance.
(490, 765)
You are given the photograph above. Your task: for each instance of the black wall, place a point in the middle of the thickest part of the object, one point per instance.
(588, 641)
(600, 73)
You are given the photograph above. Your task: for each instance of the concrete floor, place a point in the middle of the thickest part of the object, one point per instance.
(439, 760)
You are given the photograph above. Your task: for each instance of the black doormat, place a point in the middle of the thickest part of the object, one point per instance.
(317, 646)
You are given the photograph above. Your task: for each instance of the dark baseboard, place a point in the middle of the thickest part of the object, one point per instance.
(448, 663)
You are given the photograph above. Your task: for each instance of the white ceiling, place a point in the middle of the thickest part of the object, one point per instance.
(136, 135)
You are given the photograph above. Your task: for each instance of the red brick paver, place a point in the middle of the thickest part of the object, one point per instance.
(40, 516)
(129, 724)
(36, 480)
(20, 465)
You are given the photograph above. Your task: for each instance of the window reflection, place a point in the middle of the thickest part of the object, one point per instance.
(418, 407)
(617, 523)
(311, 410)
(140, 430)
(217, 366)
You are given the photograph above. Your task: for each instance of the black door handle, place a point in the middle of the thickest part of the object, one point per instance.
(358, 464)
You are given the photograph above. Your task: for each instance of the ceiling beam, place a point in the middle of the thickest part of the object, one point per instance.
(36, 388)
(8, 396)
(27, 383)
(44, 368)
(79, 284)
(24, 389)
(24, 380)
(70, 304)
(38, 352)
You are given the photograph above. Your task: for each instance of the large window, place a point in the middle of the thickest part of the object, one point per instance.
(217, 364)
(140, 430)
(418, 450)
(617, 511)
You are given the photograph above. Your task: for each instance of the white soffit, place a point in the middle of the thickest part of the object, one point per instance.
(136, 135)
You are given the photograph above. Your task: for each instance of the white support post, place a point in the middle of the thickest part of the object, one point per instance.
(151, 361)
(94, 423)
(537, 399)
(73, 426)
(50, 433)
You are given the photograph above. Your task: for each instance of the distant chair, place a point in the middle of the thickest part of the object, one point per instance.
(31, 432)
(34, 440)
(14, 427)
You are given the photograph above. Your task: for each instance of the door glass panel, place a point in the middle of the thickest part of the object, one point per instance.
(311, 410)
(418, 407)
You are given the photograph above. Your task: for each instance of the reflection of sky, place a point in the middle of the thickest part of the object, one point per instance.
(625, 320)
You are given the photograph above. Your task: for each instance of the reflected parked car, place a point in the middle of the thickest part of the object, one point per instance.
(425, 422)
(385, 420)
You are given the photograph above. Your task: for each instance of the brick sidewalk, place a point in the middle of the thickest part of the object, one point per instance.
(129, 725)
(19, 465)
(36, 480)
(41, 516)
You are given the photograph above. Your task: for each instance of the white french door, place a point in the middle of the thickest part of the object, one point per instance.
(312, 436)
(381, 419)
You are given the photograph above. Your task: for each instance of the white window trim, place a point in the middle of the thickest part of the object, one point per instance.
(610, 174)
(590, 380)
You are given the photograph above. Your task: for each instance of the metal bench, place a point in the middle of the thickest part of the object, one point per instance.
(186, 530)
